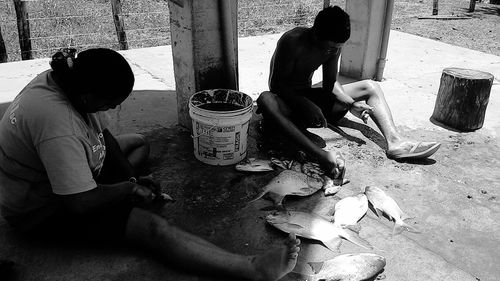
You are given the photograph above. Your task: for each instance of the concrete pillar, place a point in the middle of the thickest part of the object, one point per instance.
(204, 48)
(363, 55)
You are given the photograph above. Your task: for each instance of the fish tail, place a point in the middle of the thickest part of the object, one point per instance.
(354, 238)
(401, 226)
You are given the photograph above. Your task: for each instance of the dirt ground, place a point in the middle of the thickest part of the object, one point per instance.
(447, 185)
(480, 32)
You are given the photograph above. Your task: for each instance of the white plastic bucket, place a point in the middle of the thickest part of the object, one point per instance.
(220, 119)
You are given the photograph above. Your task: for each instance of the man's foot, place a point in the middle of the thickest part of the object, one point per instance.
(413, 150)
(277, 263)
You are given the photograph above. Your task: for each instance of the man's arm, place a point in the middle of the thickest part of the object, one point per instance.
(282, 67)
(330, 83)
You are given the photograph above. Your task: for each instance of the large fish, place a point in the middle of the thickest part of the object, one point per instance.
(384, 203)
(313, 226)
(289, 182)
(349, 210)
(348, 267)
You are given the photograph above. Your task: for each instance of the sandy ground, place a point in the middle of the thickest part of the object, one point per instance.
(453, 196)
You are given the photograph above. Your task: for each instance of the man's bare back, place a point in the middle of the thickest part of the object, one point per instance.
(295, 60)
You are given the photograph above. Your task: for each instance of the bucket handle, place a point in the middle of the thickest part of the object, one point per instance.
(214, 124)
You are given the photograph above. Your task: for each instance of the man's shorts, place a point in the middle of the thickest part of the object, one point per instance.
(324, 102)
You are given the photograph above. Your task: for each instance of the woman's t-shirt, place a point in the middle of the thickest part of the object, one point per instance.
(46, 148)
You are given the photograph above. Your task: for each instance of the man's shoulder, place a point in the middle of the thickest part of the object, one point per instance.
(295, 33)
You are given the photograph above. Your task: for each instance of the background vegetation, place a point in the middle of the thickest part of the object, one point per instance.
(89, 23)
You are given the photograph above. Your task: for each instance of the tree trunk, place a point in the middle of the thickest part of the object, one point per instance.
(472, 6)
(23, 29)
(3, 50)
(462, 99)
(116, 7)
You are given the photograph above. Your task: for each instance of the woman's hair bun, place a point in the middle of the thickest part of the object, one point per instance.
(63, 61)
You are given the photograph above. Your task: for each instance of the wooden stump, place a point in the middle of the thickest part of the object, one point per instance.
(462, 99)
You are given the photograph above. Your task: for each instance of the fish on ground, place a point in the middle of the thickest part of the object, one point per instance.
(314, 170)
(314, 226)
(349, 267)
(383, 203)
(254, 165)
(289, 182)
(349, 210)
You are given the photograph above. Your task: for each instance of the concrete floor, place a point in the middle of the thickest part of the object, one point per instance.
(453, 195)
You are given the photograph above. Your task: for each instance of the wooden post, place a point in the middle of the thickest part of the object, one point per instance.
(434, 7)
(462, 99)
(472, 6)
(23, 29)
(116, 7)
(3, 50)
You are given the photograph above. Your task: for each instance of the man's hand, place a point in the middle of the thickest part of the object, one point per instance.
(334, 164)
(313, 116)
(361, 110)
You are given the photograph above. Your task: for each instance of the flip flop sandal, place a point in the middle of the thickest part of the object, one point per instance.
(413, 152)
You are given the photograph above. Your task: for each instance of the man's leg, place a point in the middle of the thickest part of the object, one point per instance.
(279, 113)
(397, 146)
(191, 252)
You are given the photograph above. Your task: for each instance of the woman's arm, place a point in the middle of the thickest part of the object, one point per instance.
(115, 161)
(106, 196)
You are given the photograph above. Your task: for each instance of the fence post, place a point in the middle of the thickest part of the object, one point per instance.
(116, 7)
(23, 28)
(472, 6)
(3, 51)
(434, 7)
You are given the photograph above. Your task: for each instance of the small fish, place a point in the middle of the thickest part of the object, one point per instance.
(349, 267)
(289, 182)
(384, 203)
(313, 226)
(349, 210)
(254, 165)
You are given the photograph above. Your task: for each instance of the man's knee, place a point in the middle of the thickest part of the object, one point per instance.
(266, 102)
(371, 87)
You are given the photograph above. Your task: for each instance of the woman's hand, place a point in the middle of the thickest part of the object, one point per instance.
(361, 110)
(148, 190)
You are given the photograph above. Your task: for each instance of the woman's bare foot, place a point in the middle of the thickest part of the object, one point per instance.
(277, 263)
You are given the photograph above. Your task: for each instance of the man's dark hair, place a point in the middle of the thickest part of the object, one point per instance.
(332, 24)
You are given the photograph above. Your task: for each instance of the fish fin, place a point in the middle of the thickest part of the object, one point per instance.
(404, 217)
(258, 196)
(355, 228)
(400, 226)
(280, 207)
(328, 218)
(333, 244)
(316, 266)
(354, 238)
(294, 226)
(276, 198)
